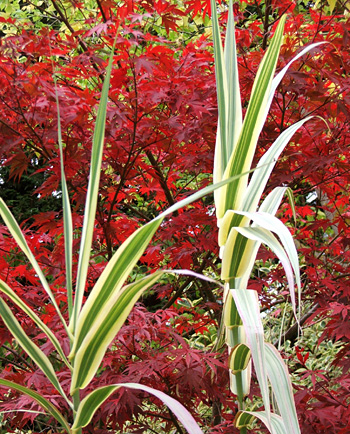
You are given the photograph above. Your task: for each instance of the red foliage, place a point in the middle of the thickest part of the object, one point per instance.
(160, 137)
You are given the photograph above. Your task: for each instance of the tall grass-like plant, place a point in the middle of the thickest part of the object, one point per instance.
(245, 221)
(91, 326)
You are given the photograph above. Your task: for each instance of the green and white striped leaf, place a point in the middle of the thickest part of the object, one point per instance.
(258, 182)
(91, 197)
(123, 261)
(241, 158)
(100, 333)
(29, 347)
(289, 192)
(232, 321)
(239, 358)
(278, 78)
(273, 224)
(234, 113)
(246, 418)
(204, 192)
(240, 382)
(104, 329)
(282, 388)
(17, 234)
(230, 263)
(237, 256)
(221, 157)
(91, 403)
(44, 403)
(17, 300)
(265, 236)
(260, 178)
(247, 304)
(67, 215)
(229, 99)
(112, 279)
(273, 200)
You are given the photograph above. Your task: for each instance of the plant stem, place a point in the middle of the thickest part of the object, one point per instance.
(239, 384)
(76, 402)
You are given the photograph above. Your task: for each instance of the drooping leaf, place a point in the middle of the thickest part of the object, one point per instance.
(265, 236)
(91, 402)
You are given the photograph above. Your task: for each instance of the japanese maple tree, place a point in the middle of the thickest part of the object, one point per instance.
(160, 137)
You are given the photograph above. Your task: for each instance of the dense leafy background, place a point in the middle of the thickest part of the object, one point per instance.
(160, 137)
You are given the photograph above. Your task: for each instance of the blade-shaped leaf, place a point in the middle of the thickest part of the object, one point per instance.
(237, 257)
(278, 78)
(282, 388)
(260, 178)
(234, 113)
(31, 349)
(264, 236)
(247, 417)
(221, 157)
(17, 234)
(17, 300)
(122, 262)
(248, 307)
(44, 403)
(240, 382)
(273, 224)
(92, 195)
(258, 182)
(254, 120)
(67, 215)
(91, 402)
(112, 279)
(108, 322)
(273, 200)
(105, 327)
